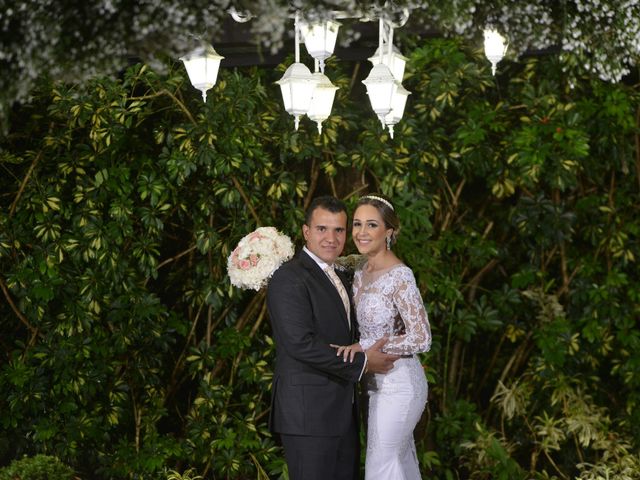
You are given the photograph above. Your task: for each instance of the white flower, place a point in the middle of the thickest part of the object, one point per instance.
(257, 256)
(350, 262)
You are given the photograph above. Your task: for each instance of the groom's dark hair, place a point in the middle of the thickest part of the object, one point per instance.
(327, 202)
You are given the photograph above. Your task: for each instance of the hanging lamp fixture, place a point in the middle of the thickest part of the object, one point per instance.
(297, 84)
(313, 94)
(381, 84)
(320, 39)
(495, 46)
(395, 61)
(322, 99)
(202, 66)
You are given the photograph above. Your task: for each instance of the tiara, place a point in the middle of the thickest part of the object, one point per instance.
(380, 199)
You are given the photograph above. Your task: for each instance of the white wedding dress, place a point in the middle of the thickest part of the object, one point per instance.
(388, 303)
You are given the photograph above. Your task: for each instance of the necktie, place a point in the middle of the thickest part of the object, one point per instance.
(341, 290)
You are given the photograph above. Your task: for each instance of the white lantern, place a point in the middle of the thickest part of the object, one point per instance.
(322, 100)
(380, 87)
(396, 61)
(320, 39)
(495, 46)
(202, 66)
(397, 108)
(297, 85)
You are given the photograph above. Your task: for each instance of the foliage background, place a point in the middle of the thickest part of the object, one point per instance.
(125, 352)
(70, 40)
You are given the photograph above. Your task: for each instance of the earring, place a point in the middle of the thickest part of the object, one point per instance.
(388, 243)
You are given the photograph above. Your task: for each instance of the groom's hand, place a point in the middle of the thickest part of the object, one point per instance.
(378, 361)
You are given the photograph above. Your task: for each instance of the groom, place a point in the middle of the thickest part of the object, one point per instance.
(314, 391)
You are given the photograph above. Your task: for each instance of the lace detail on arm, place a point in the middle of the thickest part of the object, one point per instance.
(366, 343)
(406, 298)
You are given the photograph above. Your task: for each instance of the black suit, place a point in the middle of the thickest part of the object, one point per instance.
(313, 389)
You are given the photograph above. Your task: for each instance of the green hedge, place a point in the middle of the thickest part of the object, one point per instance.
(127, 352)
(40, 467)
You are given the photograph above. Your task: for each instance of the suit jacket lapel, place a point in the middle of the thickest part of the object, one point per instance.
(324, 280)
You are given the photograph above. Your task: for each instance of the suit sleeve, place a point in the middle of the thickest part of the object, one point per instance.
(295, 327)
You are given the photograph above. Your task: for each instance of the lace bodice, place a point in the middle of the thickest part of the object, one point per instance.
(389, 303)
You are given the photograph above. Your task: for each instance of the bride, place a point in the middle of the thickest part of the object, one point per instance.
(388, 304)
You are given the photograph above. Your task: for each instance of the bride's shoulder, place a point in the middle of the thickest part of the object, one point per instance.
(401, 271)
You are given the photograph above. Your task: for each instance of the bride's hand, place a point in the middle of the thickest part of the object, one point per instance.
(347, 351)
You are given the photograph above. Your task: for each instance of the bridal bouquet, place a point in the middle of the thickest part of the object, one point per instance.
(257, 256)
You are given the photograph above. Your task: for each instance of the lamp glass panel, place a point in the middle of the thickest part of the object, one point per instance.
(202, 71)
(321, 103)
(296, 95)
(286, 96)
(398, 106)
(494, 45)
(320, 38)
(381, 96)
(301, 96)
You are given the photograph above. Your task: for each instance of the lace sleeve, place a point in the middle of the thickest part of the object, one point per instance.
(367, 343)
(416, 336)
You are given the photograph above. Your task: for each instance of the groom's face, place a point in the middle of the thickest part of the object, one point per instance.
(326, 234)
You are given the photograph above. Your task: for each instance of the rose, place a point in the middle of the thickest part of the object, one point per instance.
(257, 256)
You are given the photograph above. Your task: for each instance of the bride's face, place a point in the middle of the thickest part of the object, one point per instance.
(369, 232)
